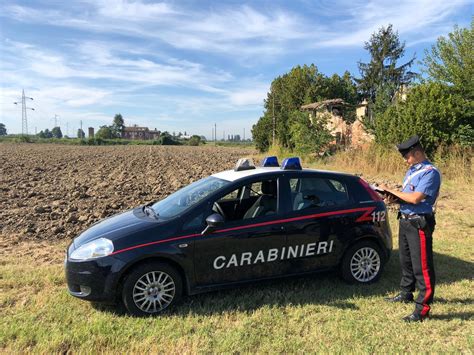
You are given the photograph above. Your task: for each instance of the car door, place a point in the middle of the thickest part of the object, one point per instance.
(317, 223)
(249, 244)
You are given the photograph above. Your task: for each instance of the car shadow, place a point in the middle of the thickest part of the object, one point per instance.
(321, 289)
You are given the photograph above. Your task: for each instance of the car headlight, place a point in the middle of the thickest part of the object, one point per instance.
(93, 250)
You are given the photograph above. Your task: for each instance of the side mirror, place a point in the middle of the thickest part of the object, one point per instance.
(213, 221)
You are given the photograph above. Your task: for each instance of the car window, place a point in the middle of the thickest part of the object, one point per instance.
(231, 196)
(187, 197)
(314, 192)
(256, 199)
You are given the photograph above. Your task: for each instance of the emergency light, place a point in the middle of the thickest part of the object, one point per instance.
(244, 164)
(270, 162)
(292, 163)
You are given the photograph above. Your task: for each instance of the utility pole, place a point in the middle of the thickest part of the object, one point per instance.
(215, 133)
(24, 119)
(81, 132)
(244, 133)
(67, 129)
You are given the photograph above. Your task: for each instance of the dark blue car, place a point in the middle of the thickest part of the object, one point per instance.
(242, 225)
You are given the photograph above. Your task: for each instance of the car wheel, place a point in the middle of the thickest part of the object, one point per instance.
(362, 263)
(151, 288)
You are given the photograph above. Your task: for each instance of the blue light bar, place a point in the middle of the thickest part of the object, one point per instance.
(292, 163)
(270, 161)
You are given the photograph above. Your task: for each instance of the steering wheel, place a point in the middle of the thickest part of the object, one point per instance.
(219, 209)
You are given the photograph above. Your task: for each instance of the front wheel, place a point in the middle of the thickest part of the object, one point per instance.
(151, 288)
(362, 263)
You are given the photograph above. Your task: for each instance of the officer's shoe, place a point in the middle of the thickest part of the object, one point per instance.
(416, 317)
(401, 297)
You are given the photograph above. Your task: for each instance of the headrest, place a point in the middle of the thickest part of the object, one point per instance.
(269, 187)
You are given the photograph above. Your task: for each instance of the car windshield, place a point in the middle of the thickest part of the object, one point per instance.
(187, 197)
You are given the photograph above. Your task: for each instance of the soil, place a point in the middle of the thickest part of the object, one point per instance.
(53, 192)
(50, 193)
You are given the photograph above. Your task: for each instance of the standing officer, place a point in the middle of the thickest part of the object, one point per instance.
(417, 221)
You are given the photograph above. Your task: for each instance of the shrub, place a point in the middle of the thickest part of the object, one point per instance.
(434, 111)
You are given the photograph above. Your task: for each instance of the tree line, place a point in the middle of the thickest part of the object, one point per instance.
(438, 103)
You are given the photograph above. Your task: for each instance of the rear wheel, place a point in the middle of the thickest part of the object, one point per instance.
(362, 263)
(151, 288)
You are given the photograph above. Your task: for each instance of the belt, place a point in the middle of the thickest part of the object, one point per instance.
(412, 216)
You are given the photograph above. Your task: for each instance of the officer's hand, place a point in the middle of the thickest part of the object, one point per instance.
(390, 199)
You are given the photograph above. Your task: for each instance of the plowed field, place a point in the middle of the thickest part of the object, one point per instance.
(53, 192)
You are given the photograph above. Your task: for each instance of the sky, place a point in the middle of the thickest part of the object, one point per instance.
(185, 66)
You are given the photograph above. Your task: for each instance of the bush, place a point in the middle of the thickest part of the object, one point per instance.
(24, 139)
(434, 111)
(194, 141)
(309, 137)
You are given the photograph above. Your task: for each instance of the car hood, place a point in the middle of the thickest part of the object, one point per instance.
(117, 226)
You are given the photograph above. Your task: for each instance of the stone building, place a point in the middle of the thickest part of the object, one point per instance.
(344, 133)
(136, 132)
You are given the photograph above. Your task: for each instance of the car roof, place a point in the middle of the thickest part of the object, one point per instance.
(232, 175)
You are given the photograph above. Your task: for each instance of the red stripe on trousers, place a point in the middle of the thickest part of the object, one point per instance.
(426, 275)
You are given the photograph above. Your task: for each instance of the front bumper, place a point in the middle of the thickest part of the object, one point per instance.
(94, 280)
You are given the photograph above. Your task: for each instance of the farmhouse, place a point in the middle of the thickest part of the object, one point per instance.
(136, 132)
(338, 114)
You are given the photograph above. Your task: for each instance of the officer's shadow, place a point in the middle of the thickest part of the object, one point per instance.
(318, 289)
(323, 289)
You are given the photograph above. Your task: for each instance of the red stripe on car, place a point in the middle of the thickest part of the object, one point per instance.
(365, 217)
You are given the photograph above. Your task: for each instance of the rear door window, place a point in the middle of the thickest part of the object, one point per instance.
(314, 192)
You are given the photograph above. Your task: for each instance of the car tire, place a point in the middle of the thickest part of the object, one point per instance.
(151, 288)
(362, 263)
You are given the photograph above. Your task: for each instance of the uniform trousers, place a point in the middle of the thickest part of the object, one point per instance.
(416, 259)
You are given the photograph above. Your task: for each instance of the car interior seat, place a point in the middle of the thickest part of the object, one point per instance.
(266, 204)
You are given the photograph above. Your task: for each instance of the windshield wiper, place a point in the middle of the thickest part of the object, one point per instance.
(149, 211)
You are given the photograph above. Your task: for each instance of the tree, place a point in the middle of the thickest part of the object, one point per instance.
(3, 130)
(434, 111)
(302, 85)
(262, 133)
(194, 140)
(48, 133)
(451, 61)
(80, 134)
(167, 139)
(117, 126)
(309, 137)
(381, 78)
(56, 132)
(105, 132)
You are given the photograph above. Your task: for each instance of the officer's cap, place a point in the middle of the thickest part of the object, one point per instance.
(411, 143)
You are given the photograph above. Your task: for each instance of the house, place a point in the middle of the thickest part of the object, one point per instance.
(144, 133)
(344, 132)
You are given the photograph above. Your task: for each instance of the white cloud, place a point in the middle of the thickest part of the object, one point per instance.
(366, 17)
(98, 61)
(249, 96)
(122, 9)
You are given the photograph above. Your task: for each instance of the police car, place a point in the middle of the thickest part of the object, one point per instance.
(241, 225)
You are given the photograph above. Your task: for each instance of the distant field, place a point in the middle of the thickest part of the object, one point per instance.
(308, 314)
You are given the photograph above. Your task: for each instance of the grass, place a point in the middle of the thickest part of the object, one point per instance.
(308, 314)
